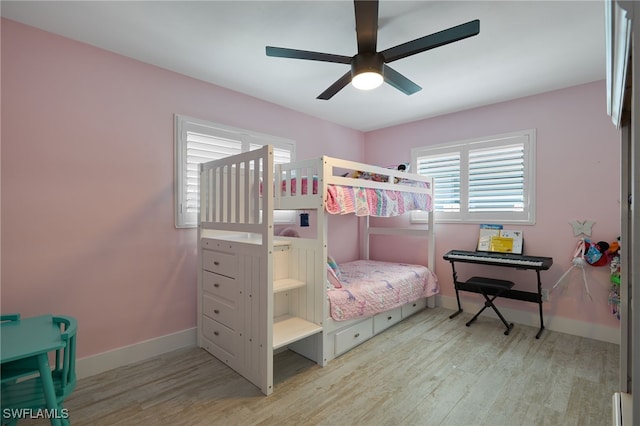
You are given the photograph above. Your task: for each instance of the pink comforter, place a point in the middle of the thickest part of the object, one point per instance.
(370, 287)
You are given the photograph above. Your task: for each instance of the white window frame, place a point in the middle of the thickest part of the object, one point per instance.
(526, 217)
(247, 140)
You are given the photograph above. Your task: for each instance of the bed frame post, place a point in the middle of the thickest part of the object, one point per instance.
(266, 297)
(204, 195)
(431, 301)
(365, 237)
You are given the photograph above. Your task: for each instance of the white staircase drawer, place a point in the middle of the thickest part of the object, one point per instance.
(220, 263)
(219, 285)
(219, 311)
(219, 334)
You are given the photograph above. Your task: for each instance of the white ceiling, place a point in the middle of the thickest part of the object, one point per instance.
(524, 48)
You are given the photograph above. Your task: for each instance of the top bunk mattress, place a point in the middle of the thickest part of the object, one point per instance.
(369, 287)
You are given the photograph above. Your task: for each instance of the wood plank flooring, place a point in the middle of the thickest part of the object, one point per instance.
(427, 370)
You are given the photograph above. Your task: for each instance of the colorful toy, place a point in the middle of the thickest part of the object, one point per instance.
(596, 254)
(402, 167)
(614, 268)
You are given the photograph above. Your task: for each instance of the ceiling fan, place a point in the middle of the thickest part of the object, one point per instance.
(368, 67)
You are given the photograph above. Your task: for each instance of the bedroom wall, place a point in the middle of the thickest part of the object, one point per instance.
(578, 177)
(87, 185)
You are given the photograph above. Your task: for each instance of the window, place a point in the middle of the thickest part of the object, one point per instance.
(490, 179)
(198, 141)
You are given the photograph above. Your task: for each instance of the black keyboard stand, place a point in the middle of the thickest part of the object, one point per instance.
(486, 291)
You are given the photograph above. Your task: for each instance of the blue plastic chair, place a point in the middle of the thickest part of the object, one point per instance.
(9, 317)
(11, 371)
(27, 394)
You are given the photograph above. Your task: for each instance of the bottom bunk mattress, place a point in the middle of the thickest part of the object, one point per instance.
(368, 287)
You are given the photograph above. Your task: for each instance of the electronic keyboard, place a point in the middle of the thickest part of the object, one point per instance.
(500, 259)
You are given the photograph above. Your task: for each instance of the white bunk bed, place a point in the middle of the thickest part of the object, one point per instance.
(258, 293)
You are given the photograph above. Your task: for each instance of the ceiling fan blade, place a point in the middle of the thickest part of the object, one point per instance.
(283, 52)
(335, 87)
(399, 81)
(366, 25)
(434, 40)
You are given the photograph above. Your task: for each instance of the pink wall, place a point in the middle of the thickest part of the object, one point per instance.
(578, 177)
(87, 184)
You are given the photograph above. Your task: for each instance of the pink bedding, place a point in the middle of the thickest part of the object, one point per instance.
(294, 186)
(362, 201)
(374, 202)
(370, 287)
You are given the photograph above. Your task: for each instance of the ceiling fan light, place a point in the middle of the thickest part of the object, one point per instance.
(367, 80)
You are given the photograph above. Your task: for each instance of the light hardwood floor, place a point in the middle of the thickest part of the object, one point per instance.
(427, 370)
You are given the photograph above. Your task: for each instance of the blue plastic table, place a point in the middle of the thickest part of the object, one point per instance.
(33, 337)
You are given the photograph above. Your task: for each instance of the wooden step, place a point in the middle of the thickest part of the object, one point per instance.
(287, 284)
(288, 329)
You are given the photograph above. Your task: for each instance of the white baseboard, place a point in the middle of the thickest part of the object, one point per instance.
(559, 324)
(104, 361)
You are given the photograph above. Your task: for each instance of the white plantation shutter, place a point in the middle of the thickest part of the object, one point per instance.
(201, 148)
(496, 179)
(445, 170)
(483, 180)
(198, 141)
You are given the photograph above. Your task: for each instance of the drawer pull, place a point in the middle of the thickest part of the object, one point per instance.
(215, 262)
(215, 311)
(215, 333)
(415, 304)
(356, 335)
(389, 318)
(216, 285)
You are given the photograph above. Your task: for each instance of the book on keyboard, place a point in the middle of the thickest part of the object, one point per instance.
(495, 239)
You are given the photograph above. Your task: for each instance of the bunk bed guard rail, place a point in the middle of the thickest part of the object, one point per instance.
(232, 193)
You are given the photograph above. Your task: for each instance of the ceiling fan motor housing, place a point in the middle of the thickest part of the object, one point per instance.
(367, 62)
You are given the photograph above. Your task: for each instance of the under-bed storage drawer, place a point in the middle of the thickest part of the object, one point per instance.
(385, 320)
(413, 307)
(353, 336)
(220, 263)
